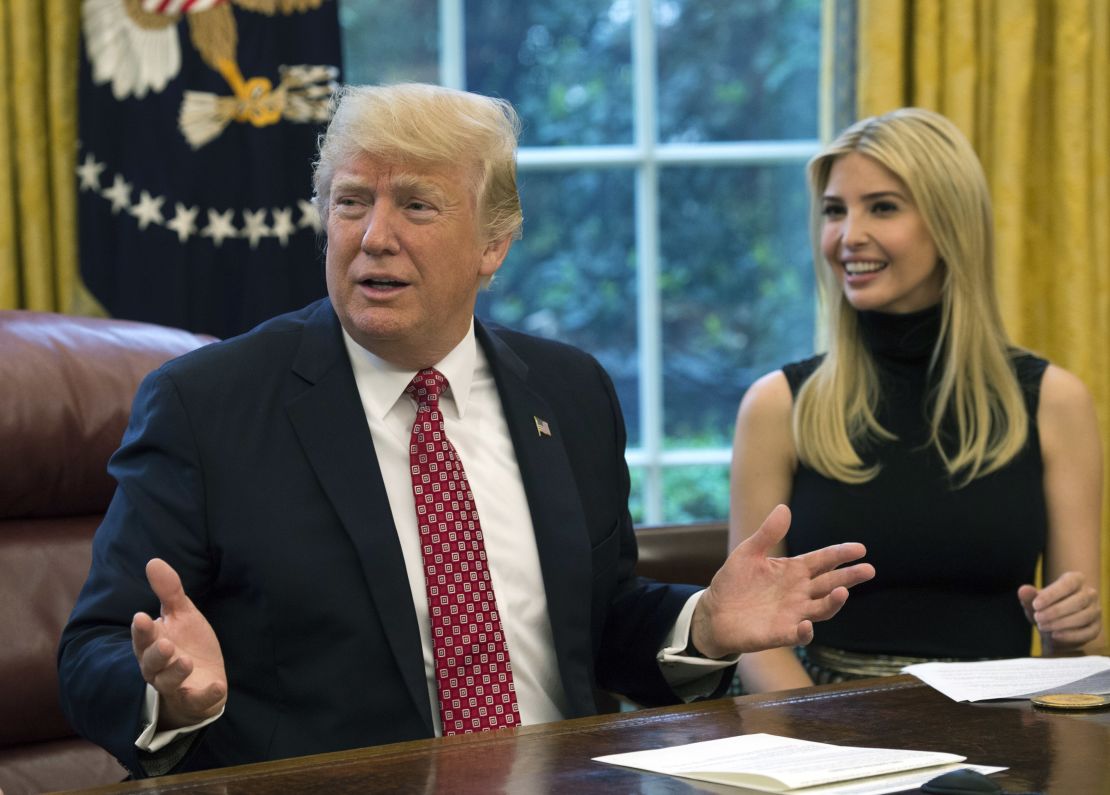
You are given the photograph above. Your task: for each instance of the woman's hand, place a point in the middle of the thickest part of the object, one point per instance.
(1066, 612)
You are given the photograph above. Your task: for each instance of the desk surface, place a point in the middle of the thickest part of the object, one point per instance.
(1062, 753)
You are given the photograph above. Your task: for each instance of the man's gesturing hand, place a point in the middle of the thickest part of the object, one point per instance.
(759, 602)
(178, 653)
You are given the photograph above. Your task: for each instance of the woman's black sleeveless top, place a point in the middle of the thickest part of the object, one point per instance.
(948, 560)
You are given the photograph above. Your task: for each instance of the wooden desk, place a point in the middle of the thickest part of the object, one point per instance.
(1063, 753)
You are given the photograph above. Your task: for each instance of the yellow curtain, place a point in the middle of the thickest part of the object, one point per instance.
(1027, 81)
(38, 135)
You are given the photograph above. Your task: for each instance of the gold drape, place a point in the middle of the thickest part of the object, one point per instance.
(38, 135)
(1027, 81)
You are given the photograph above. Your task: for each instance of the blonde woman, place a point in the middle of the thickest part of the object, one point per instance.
(956, 458)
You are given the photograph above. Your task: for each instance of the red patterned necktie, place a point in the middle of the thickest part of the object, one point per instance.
(473, 675)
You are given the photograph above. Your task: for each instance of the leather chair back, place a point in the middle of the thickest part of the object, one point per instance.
(682, 553)
(66, 386)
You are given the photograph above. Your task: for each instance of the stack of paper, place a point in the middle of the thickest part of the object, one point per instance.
(768, 763)
(1016, 679)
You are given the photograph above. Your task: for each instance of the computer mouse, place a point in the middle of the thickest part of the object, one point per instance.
(961, 782)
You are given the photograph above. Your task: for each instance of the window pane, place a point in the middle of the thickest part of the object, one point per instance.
(636, 497)
(735, 279)
(738, 70)
(565, 66)
(695, 493)
(736, 291)
(573, 276)
(390, 42)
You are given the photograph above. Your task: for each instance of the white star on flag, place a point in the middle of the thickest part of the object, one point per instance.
(184, 221)
(283, 224)
(219, 226)
(119, 194)
(309, 216)
(89, 173)
(254, 226)
(148, 210)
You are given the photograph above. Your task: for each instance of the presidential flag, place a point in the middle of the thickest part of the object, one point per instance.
(197, 131)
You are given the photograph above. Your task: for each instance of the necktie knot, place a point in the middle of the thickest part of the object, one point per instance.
(425, 388)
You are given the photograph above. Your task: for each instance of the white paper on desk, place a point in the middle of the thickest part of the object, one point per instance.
(1018, 678)
(881, 785)
(769, 763)
(1095, 683)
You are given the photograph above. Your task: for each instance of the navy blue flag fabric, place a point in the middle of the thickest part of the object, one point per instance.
(198, 126)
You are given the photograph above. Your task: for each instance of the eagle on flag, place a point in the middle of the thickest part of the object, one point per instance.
(197, 126)
(133, 44)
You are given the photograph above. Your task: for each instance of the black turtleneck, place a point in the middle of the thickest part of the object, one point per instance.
(906, 338)
(948, 560)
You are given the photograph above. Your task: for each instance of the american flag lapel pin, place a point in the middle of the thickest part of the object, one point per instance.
(542, 428)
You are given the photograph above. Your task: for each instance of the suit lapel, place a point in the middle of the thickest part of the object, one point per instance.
(330, 421)
(558, 521)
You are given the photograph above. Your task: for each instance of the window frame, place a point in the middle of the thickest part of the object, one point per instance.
(646, 156)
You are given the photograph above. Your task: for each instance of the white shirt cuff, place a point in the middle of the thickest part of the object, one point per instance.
(689, 677)
(151, 740)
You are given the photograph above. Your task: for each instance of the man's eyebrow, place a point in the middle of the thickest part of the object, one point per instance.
(414, 183)
(347, 184)
(400, 184)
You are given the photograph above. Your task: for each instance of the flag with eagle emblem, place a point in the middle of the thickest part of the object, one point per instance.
(198, 126)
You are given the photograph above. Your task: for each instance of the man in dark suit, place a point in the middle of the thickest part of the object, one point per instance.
(265, 509)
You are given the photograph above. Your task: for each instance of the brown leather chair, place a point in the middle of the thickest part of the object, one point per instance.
(66, 385)
(682, 553)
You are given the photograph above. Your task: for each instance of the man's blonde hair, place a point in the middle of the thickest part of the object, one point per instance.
(977, 394)
(428, 125)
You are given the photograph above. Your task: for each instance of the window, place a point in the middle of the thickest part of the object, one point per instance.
(662, 176)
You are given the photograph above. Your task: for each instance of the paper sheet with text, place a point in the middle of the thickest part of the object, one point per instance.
(768, 763)
(1018, 678)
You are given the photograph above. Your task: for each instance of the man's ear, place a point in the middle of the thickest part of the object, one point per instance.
(494, 254)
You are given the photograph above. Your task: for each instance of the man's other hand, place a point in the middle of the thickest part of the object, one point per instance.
(758, 602)
(178, 653)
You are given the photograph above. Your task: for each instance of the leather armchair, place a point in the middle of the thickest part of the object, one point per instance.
(682, 553)
(66, 385)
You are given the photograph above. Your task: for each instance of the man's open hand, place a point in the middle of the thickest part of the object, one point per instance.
(758, 602)
(178, 653)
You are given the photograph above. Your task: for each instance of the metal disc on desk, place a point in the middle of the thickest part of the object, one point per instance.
(1071, 701)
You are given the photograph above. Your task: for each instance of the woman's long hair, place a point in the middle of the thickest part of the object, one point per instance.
(977, 399)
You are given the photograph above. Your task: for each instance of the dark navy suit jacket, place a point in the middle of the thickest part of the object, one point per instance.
(249, 467)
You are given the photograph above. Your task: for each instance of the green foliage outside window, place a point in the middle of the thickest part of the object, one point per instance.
(735, 287)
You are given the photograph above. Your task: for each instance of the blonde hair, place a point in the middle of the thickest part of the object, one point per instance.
(977, 394)
(429, 125)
